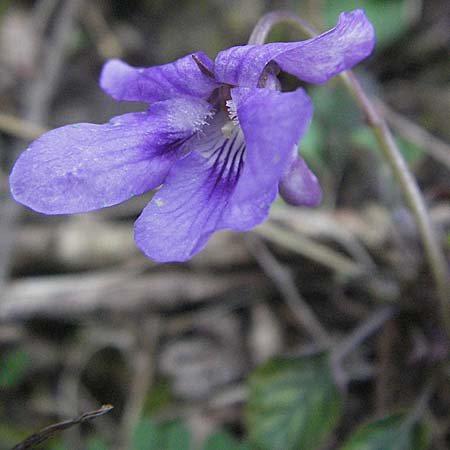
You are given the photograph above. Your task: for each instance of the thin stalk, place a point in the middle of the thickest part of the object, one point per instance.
(405, 179)
(422, 402)
(362, 332)
(269, 20)
(283, 279)
(355, 338)
(411, 192)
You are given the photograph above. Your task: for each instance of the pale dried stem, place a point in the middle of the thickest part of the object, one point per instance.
(368, 327)
(36, 102)
(104, 38)
(309, 248)
(283, 279)
(422, 402)
(436, 148)
(87, 293)
(142, 368)
(269, 20)
(413, 196)
(355, 338)
(20, 128)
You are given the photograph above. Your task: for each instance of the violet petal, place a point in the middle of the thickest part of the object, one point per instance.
(182, 77)
(82, 167)
(299, 186)
(188, 208)
(272, 123)
(314, 60)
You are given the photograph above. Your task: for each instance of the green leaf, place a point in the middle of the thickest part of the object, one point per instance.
(157, 398)
(13, 366)
(168, 436)
(175, 436)
(389, 17)
(412, 153)
(4, 5)
(145, 435)
(293, 403)
(95, 443)
(60, 446)
(334, 107)
(311, 145)
(393, 432)
(221, 440)
(363, 136)
(337, 115)
(12, 433)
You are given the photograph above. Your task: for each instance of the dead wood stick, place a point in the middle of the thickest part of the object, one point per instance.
(75, 296)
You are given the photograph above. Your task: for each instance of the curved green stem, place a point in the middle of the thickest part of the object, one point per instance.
(405, 179)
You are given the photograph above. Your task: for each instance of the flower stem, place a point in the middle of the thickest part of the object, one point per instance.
(269, 20)
(405, 179)
(411, 193)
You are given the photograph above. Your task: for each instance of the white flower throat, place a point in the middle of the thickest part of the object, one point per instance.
(228, 129)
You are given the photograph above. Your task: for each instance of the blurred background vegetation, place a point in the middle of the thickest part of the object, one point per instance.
(320, 329)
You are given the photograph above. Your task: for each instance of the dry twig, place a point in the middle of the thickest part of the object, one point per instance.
(75, 296)
(36, 103)
(283, 279)
(435, 147)
(46, 433)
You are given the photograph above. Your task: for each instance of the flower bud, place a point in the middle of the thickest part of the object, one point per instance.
(299, 186)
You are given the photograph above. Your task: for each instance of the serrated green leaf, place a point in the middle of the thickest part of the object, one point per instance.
(13, 366)
(393, 432)
(221, 440)
(293, 403)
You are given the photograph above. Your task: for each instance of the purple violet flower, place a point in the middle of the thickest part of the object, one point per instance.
(219, 136)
